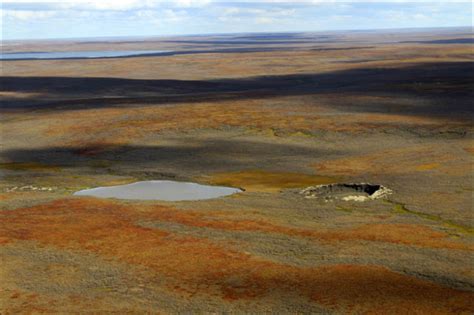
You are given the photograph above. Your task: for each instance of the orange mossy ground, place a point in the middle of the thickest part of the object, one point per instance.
(199, 266)
(24, 302)
(469, 149)
(198, 253)
(76, 215)
(392, 161)
(254, 115)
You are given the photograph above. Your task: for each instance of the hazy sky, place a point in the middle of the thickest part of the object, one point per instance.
(23, 19)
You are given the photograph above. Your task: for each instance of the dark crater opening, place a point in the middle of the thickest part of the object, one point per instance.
(367, 188)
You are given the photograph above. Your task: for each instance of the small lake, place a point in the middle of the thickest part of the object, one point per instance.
(79, 54)
(165, 190)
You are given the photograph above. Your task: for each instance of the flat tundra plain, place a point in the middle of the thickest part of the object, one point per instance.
(271, 116)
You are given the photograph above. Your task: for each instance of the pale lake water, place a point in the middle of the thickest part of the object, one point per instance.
(165, 190)
(79, 54)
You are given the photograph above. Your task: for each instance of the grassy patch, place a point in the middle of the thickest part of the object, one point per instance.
(339, 208)
(266, 181)
(28, 166)
(402, 209)
(427, 167)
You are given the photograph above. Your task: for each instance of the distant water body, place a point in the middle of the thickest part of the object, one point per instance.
(79, 54)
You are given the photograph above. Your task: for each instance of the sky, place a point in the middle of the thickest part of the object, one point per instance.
(33, 19)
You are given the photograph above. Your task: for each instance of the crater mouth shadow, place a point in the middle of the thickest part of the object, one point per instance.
(346, 192)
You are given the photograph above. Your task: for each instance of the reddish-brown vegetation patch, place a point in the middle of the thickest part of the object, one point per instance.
(198, 266)
(92, 214)
(470, 150)
(255, 115)
(142, 121)
(375, 290)
(18, 302)
(408, 234)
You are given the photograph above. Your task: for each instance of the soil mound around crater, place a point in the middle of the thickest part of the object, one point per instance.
(346, 192)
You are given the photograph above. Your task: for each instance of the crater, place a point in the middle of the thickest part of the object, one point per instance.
(165, 190)
(346, 192)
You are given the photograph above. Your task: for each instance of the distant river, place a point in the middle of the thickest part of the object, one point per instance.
(79, 54)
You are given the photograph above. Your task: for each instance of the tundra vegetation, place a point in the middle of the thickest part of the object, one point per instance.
(270, 117)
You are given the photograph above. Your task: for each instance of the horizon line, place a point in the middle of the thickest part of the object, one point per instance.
(222, 34)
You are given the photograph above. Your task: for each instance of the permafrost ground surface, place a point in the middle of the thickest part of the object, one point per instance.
(370, 108)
